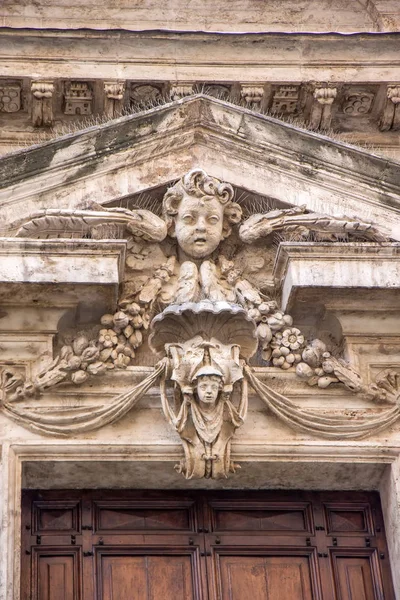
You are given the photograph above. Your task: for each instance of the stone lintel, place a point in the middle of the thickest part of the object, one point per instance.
(336, 265)
(189, 56)
(62, 261)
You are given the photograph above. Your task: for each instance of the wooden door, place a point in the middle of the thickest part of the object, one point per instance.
(131, 545)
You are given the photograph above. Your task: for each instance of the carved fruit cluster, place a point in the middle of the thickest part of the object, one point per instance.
(317, 366)
(81, 359)
(270, 322)
(121, 335)
(285, 347)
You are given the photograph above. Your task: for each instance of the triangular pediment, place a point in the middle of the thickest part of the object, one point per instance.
(256, 153)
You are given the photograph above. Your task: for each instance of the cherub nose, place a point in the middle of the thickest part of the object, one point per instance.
(201, 224)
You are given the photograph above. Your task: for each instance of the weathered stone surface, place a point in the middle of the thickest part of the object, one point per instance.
(296, 15)
(348, 266)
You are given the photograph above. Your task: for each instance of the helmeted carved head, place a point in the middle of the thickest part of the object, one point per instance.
(200, 213)
(209, 382)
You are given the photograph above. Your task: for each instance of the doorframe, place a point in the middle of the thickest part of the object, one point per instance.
(14, 455)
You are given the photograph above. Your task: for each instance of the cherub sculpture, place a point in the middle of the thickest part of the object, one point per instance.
(198, 248)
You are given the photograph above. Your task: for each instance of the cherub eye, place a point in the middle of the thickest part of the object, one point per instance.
(188, 218)
(213, 219)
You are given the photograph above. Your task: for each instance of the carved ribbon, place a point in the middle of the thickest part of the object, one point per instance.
(83, 419)
(330, 427)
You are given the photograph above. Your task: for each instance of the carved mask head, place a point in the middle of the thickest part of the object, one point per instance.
(208, 388)
(199, 212)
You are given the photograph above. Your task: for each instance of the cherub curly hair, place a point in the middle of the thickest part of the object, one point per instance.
(197, 183)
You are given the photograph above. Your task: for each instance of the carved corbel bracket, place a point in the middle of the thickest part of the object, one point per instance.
(391, 113)
(114, 97)
(321, 110)
(205, 406)
(181, 89)
(42, 103)
(252, 95)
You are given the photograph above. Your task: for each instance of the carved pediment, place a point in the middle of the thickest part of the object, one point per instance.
(203, 289)
(129, 156)
(199, 292)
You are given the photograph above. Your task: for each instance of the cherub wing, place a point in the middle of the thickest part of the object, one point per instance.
(295, 220)
(57, 223)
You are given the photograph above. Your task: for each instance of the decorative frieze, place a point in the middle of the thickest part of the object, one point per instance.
(354, 111)
(391, 113)
(42, 103)
(10, 98)
(78, 98)
(285, 100)
(114, 97)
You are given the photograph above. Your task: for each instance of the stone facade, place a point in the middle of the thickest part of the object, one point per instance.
(199, 285)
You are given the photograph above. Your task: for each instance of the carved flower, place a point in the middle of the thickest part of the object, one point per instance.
(285, 345)
(292, 338)
(107, 338)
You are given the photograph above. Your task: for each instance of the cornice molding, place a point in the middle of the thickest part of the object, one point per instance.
(256, 152)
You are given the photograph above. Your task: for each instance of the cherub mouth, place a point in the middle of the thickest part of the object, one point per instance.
(200, 240)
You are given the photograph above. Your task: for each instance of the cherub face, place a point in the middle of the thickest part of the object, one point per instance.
(198, 226)
(208, 388)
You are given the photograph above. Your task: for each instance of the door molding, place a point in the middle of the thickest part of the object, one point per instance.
(15, 456)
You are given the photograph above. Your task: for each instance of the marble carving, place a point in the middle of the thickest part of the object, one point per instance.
(196, 294)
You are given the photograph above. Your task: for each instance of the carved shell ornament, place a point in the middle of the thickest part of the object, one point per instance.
(191, 296)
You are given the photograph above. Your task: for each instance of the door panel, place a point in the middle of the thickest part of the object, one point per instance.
(56, 575)
(147, 545)
(356, 577)
(261, 516)
(265, 578)
(145, 578)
